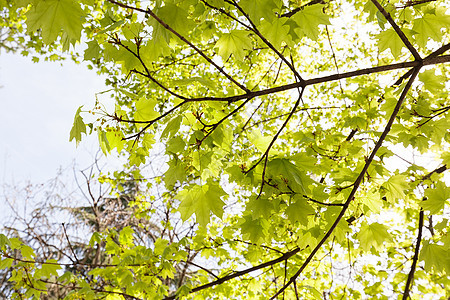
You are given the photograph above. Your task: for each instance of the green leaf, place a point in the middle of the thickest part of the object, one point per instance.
(260, 207)
(27, 252)
(309, 18)
(54, 17)
(78, 127)
(4, 241)
(175, 17)
(6, 263)
(436, 198)
(316, 294)
(389, 39)
(93, 51)
(254, 229)
(145, 110)
(254, 9)
(172, 127)
(373, 202)
(175, 173)
(96, 238)
(429, 26)
(191, 80)
(300, 210)
(375, 235)
(112, 139)
(50, 268)
(126, 236)
(434, 83)
(201, 201)
(234, 43)
(276, 32)
(284, 172)
(435, 257)
(261, 142)
(395, 187)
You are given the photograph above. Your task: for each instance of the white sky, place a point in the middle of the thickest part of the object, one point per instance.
(37, 105)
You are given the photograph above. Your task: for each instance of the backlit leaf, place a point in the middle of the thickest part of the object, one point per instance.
(55, 17)
(309, 19)
(437, 197)
(234, 43)
(201, 201)
(78, 127)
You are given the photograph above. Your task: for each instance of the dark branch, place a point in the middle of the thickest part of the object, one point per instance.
(435, 53)
(221, 280)
(438, 171)
(398, 30)
(415, 258)
(266, 154)
(296, 10)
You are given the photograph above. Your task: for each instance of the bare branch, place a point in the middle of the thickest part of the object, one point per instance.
(415, 258)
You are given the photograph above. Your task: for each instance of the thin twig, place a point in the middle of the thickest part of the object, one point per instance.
(68, 241)
(296, 10)
(266, 153)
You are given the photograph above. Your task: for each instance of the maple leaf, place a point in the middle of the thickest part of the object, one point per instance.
(395, 187)
(429, 26)
(434, 83)
(234, 43)
(175, 17)
(389, 39)
(276, 32)
(78, 127)
(309, 19)
(253, 9)
(435, 256)
(374, 234)
(54, 17)
(145, 110)
(299, 211)
(260, 141)
(436, 198)
(290, 174)
(255, 229)
(201, 201)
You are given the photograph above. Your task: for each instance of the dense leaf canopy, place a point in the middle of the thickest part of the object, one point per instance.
(305, 145)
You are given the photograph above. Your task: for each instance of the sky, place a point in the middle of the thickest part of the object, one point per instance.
(38, 102)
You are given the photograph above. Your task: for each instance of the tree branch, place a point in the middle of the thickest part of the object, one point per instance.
(404, 65)
(165, 25)
(266, 154)
(434, 54)
(221, 280)
(296, 10)
(415, 258)
(269, 44)
(398, 30)
(356, 184)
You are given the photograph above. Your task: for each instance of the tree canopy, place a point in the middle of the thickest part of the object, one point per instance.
(305, 146)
